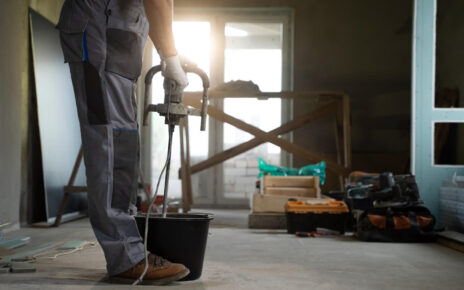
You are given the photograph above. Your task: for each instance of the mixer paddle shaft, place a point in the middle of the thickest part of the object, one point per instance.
(166, 176)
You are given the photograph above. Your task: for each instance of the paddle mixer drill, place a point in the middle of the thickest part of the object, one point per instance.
(173, 110)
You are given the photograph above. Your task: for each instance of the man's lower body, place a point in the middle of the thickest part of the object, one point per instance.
(103, 43)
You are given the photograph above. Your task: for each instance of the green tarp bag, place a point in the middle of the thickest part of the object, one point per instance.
(308, 170)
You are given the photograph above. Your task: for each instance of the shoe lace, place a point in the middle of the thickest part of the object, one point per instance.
(156, 261)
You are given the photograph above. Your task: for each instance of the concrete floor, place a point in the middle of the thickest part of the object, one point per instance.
(240, 258)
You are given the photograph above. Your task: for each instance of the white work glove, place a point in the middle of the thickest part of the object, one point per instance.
(171, 68)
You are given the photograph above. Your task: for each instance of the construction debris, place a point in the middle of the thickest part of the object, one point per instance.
(72, 245)
(28, 253)
(5, 269)
(22, 267)
(14, 243)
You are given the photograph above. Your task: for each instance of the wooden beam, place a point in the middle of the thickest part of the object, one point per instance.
(347, 130)
(68, 189)
(339, 140)
(220, 94)
(267, 137)
(73, 189)
(76, 166)
(285, 128)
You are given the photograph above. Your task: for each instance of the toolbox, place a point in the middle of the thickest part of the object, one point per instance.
(306, 216)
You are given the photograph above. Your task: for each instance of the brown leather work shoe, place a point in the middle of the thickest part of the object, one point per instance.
(160, 271)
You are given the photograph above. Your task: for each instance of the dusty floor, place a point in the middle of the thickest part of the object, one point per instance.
(240, 258)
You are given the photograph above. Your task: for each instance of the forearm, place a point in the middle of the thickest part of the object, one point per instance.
(160, 15)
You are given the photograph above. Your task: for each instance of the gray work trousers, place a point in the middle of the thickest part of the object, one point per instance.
(103, 42)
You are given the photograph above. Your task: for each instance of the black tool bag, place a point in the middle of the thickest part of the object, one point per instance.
(408, 223)
(380, 189)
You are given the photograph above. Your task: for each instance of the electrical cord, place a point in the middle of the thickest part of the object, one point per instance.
(40, 255)
(152, 201)
(145, 238)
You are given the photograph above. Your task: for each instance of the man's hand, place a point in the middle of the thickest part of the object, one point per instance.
(171, 68)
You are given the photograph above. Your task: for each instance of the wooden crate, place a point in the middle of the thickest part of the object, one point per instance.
(296, 186)
(292, 191)
(291, 181)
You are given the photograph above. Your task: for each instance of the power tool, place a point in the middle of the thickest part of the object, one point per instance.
(173, 109)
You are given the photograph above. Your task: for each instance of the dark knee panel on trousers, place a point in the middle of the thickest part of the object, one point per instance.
(97, 111)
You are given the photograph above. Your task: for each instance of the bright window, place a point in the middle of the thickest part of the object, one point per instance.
(248, 50)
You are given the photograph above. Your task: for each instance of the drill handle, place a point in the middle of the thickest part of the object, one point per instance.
(172, 87)
(148, 79)
(204, 101)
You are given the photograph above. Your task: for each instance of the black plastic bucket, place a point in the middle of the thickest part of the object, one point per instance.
(180, 238)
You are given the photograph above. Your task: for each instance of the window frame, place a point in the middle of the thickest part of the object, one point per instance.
(218, 17)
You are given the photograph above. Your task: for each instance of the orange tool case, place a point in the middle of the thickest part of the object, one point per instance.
(306, 216)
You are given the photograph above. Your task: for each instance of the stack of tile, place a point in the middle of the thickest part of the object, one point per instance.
(268, 206)
(452, 207)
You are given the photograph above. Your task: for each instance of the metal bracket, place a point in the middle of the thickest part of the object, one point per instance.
(174, 109)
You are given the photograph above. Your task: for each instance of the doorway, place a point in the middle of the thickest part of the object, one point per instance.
(251, 45)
